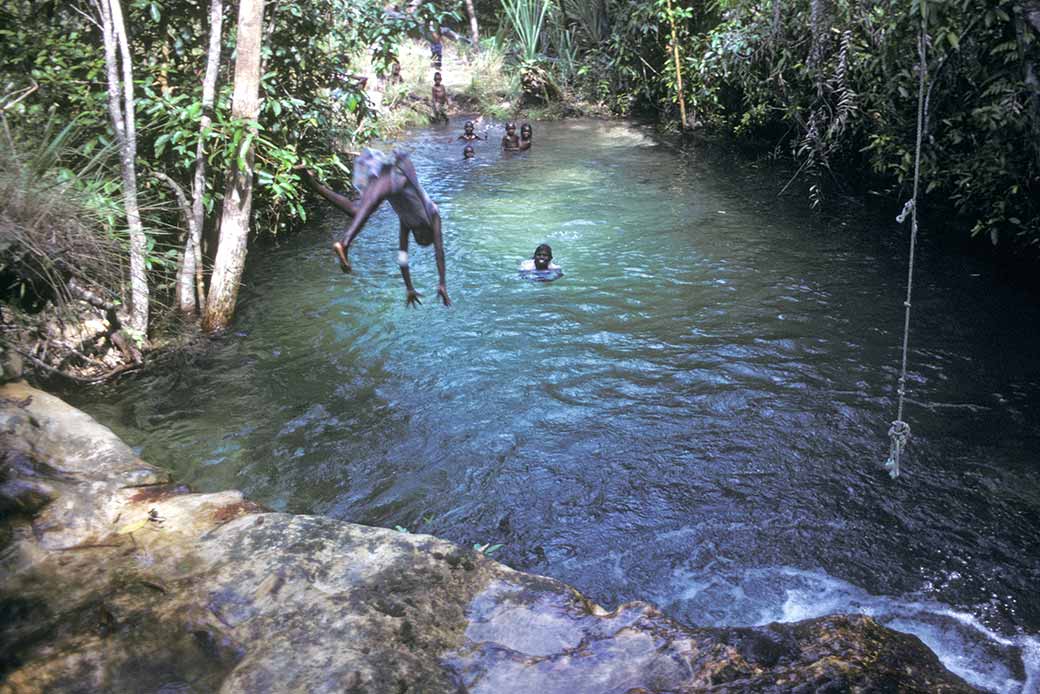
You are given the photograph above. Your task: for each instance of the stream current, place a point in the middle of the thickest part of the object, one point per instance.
(695, 414)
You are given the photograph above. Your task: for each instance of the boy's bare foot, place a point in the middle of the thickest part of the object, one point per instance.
(344, 264)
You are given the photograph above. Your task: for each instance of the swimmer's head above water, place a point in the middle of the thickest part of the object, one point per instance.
(543, 257)
(468, 152)
(541, 268)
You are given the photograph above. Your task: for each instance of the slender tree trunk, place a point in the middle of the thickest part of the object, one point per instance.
(191, 269)
(474, 31)
(678, 68)
(113, 30)
(238, 198)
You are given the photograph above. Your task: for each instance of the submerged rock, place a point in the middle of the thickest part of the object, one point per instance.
(114, 579)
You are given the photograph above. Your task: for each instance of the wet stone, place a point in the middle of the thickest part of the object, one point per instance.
(130, 588)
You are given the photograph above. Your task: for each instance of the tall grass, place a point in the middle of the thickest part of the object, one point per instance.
(562, 40)
(527, 17)
(492, 88)
(56, 222)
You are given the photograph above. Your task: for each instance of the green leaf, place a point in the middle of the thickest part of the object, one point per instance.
(160, 144)
(243, 150)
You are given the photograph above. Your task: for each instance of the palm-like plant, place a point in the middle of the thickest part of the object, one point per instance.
(527, 18)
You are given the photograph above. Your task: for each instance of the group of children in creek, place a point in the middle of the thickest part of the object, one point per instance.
(391, 177)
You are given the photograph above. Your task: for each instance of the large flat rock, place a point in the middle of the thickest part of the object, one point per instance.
(112, 578)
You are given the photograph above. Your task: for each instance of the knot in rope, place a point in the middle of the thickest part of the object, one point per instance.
(907, 209)
(898, 434)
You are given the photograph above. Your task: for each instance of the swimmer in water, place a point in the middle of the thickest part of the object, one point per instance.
(468, 152)
(510, 141)
(468, 135)
(525, 137)
(541, 267)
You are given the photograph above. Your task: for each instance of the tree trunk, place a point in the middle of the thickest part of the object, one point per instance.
(678, 67)
(191, 270)
(474, 31)
(123, 123)
(238, 198)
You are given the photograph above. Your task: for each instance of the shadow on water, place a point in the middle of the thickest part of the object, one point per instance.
(694, 414)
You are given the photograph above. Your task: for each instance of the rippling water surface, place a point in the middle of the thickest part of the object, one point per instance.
(695, 414)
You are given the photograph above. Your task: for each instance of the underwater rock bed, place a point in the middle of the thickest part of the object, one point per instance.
(114, 578)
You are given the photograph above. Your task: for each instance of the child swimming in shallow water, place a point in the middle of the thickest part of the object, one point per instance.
(510, 141)
(541, 268)
(468, 135)
(526, 133)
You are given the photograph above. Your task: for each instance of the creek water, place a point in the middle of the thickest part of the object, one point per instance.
(695, 414)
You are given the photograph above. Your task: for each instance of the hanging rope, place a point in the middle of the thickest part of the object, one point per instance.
(899, 431)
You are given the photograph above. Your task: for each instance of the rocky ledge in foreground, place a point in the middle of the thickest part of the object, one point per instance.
(112, 578)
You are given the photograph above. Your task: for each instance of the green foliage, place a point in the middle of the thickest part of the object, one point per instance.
(527, 17)
(620, 52)
(493, 87)
(843, 97)
(312, 109)
(57, 222)
(833, 83)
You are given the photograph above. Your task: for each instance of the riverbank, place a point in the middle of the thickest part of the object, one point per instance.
(482, 85)
(116, 578)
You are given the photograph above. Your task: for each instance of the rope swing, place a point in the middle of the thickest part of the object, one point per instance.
(899, 431)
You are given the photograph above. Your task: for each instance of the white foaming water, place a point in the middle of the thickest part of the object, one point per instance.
(994, 662)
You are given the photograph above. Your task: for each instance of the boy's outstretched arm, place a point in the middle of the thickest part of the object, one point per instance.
(341, 201)
(438, 249)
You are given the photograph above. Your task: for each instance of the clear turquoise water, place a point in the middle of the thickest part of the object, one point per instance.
(695, 414)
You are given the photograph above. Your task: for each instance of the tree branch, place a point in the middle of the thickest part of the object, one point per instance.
(182, 200)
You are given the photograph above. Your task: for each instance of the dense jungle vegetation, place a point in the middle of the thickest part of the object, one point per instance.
(124, 131)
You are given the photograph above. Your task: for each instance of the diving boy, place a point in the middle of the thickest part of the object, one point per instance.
(380, 176)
